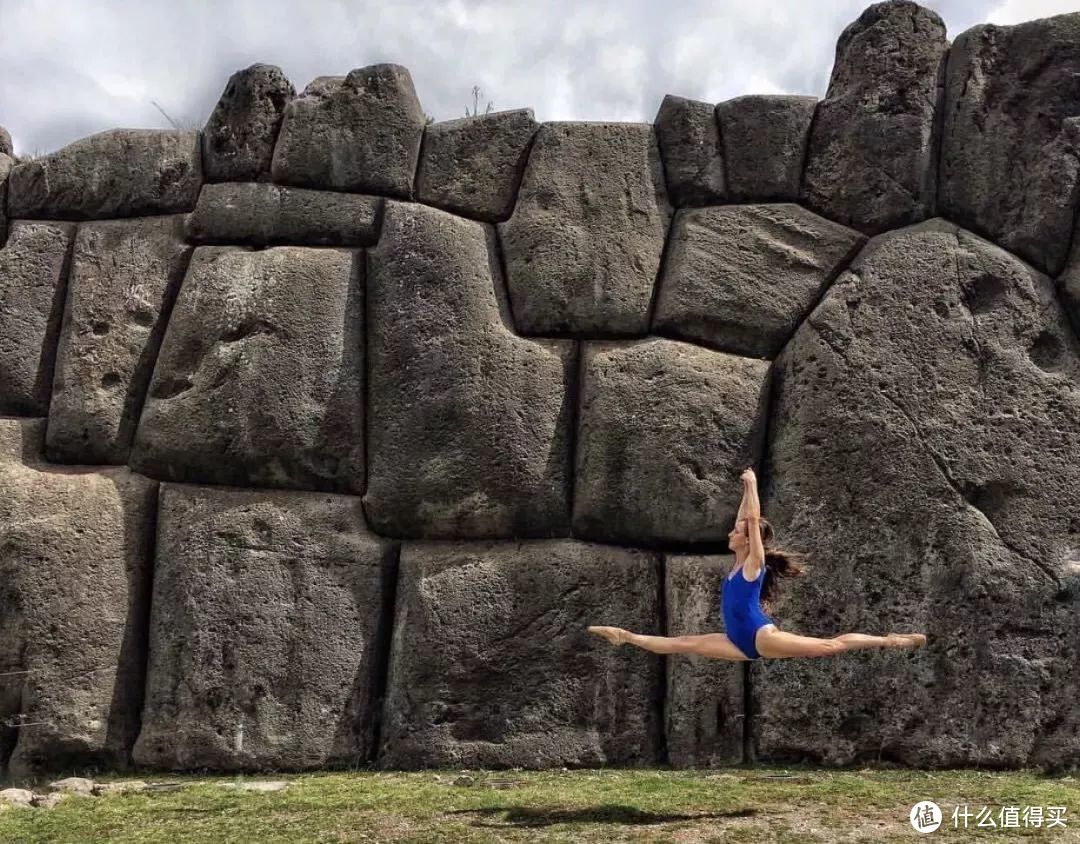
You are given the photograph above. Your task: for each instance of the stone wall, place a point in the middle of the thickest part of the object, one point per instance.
(326, 432)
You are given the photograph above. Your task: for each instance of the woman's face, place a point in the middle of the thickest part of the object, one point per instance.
(738, 538)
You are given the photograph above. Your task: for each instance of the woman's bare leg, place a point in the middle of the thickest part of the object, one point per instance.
(712, 645)
(778, 644)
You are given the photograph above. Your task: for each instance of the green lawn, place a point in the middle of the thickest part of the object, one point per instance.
(751, 804)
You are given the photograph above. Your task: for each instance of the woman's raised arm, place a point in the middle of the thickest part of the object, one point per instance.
(750, 509)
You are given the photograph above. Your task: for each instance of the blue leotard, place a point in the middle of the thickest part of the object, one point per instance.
(743, 616)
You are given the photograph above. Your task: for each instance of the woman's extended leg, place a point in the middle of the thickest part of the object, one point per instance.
(713, 645)
(778, 644)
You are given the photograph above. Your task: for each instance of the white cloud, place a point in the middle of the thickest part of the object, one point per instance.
(73, 67)
(1017, 11)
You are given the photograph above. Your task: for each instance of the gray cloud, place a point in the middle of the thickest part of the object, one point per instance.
(73, 68)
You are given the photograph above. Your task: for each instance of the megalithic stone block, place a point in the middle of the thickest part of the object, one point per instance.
(238, 141)
(357, 133)
(584, 243)
(74, 589)
(118, 173)
(740, 278)
(6, 165)
(123, 280)
(1010, 157)
(33, 276)
(765, 145)
(258, 214)
(259, 381)
(872, 153)
(473, 165)
(491, 665)
(268, 620)
(665, 430)
(932, 393)
(689, 140)
(705, 707)
(468, 433)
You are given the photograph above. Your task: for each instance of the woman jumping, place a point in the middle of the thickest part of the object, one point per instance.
(750, 634)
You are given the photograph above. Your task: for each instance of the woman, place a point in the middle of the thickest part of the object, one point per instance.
(750, 634)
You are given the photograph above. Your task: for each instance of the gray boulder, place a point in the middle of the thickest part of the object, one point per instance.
(664, 431)
(265, 214)
(238, 141)
(473, 166)
(123, 281)
(923, 448)
(468, 433)
(705, 718)
(871, 158)
(689, 141)
(741, 278)
(5, 143)
(33, 270)
(6, 165)
(359, 133)
(266, 630)
(1010, 158)
(119, 173)
(259, 381)
(74, 581)
(491, 665)
(765, 145)
(584, 243)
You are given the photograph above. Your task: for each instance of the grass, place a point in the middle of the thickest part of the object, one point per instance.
(748, 804)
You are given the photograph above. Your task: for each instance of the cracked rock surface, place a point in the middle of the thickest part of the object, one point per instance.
(923, 450)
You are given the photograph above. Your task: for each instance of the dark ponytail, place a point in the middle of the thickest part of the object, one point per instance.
(778, 563)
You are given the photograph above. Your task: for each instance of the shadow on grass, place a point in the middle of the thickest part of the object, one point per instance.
(609, 813)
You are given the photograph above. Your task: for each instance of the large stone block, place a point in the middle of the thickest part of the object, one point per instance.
(665, 430)
(33, 274)
(765, 145)
(705, 707)
(871, 161)
(491, 665)
(741, 278)
(468, 424)
(119, 173)
(6, 165)
(264, 214)
(124, 278)
(689, 141)
(268, 620)
(1010, 158)
(359, 133)
(473, 166)
(74, 590)
(924, 436)
(584, 243)
(238, 141)
(5, 142)
(259, 381)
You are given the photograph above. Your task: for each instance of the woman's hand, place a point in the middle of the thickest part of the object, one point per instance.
(748, 477)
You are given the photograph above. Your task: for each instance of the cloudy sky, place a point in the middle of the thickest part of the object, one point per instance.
(69, 68)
